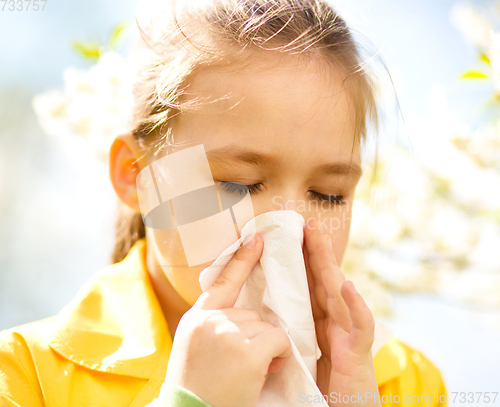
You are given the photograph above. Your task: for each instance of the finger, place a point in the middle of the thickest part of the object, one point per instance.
(313, 286)
(319, 243)
(312, 270)
(276, 365)
(225, 290)
(241, 314)
(327, 275)
(250, 329)
(316, 243)
(361, 335)
(273, 343)
(312, 231)
(324, 265)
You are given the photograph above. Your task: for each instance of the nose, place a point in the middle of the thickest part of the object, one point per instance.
(281, 199)
(292, 198)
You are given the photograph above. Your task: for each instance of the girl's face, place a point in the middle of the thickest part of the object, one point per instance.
(288, 131)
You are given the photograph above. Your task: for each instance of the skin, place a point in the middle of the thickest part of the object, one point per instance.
(287, 120)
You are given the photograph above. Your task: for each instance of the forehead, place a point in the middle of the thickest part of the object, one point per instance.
(278, 104)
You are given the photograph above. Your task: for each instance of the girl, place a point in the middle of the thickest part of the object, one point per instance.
(275, 92)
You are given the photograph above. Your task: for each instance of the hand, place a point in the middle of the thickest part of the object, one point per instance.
(224, 354)
(344, 324)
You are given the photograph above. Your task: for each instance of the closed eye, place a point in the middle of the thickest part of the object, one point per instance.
(336, 199)
(240, 188)
(254, 188)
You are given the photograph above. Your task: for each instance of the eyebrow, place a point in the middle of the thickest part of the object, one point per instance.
(228, 155)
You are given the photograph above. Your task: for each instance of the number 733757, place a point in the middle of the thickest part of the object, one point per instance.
(474, 397)
(23, 5)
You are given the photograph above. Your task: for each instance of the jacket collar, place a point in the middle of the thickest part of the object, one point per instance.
(115, 323)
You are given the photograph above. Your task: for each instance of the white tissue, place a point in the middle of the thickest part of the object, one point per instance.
(277, 288)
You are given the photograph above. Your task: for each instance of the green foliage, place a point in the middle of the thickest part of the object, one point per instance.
(88, 50)
(92, 50)
(474, 74)
(484, 58)
(117, 34)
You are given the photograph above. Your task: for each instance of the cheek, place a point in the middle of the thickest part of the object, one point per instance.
(186, 283)
(170, 257)
(167, 247)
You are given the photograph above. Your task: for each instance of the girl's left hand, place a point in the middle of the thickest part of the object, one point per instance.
(344, 325)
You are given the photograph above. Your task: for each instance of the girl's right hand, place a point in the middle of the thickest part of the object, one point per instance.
(224, 354)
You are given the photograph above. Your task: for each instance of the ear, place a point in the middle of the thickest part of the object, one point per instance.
(126, 159)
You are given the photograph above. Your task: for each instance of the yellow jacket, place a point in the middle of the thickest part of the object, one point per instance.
(110, 347)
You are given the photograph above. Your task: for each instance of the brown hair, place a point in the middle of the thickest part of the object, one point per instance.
(222, 31)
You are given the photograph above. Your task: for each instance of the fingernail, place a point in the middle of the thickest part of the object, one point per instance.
(250, 243)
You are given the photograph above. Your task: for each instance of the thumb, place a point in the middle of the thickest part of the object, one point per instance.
(225, 290)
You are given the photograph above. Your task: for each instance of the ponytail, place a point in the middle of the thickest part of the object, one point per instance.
(129, 229)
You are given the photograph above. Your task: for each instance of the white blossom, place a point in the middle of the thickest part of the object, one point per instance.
(95, 103)
(472, 24)
(51, 109)
(494, 55)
